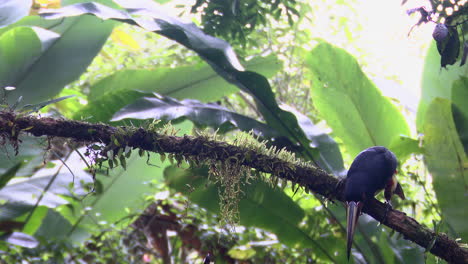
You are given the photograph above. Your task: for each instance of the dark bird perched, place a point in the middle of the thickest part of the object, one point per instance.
(372, 170)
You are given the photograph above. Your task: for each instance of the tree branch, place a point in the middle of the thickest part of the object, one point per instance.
(203, 149)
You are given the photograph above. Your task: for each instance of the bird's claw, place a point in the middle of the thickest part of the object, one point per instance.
(388, 207)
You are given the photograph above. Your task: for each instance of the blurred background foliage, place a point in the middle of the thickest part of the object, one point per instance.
(324, 79)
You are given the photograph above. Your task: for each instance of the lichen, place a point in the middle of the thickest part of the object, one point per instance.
(230, 176)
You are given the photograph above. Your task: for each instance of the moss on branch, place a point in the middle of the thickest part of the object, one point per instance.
(206, 150)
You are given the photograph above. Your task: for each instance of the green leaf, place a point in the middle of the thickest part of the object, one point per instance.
(267, 66)
(241, 252)
(28, 190)
(44, 66)
(436, 82)
(20, 239)
(54, 227)
(350, 103)
(198, 82)
(286, 123)
(260, 206)
(13, 10)
(447, 162)
(404, 146)
(102, 109)
(110, 3)
(19, 49)
(369, 229)
(404, 251)
(123, 189)
(460, 109)
(365, 245)
(35, 221)
(214, 50)
(9, 174)
(330, 157)
(13, 210)
(387, 255)
(218, 53)
(39, 106)
(211, 115)
(123, 194)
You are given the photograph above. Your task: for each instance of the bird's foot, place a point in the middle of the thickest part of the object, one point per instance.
(388, 208)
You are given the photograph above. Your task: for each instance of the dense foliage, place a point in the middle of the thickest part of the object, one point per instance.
(270, 84)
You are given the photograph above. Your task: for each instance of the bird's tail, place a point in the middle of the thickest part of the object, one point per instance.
(353, 212)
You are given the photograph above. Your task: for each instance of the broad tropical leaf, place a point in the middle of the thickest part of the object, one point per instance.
(350, 103)
(20, 239)
(103, 108)
(446, 160)
(9, 174)
(20, 47)
(215, 51)
(287, 123)
(404, 146)
(219, 54)
(48, 185)
(436, 82)
(30, 153)
(45, 65)
(205, 115)
(329, 153)
(460, 109)
(13, 10)
(198, 82)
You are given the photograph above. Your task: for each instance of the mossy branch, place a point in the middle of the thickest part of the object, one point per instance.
(203, 149)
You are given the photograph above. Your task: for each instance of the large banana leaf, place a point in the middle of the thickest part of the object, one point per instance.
(44, 64)
(198, 82)
(446, 159)
(20, 47)
(460, 109)
(28, 190)
(329, 152)
(436, 81)
(205, 115)
(13, 10)
(220, 55)
(20, 239)
(102, 109)
(350, 103)
(287, 123)
(26, 199)
(215, 51)
(30, 153)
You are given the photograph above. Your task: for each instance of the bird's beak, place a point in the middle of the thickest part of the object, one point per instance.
(399, 191)
(353, 212)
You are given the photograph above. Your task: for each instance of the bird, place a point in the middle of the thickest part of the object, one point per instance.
(208, 259)
(372, 171)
